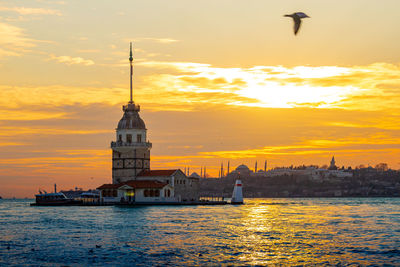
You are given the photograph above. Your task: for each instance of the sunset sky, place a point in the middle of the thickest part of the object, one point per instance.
(216, 80)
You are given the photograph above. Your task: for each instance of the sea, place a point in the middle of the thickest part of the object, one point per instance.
(295, 232)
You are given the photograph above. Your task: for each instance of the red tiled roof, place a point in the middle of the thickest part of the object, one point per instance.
(109, 186)
(157, 173)
(145, 184)
(134, 184)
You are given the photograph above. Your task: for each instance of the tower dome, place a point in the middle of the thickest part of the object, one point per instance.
(131, 118)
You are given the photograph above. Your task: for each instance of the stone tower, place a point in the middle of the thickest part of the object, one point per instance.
(131, 150)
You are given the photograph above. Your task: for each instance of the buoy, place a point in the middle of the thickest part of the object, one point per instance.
(237, 196)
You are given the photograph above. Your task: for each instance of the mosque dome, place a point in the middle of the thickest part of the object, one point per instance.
(195, 175)
(242, 168)
(131, 118)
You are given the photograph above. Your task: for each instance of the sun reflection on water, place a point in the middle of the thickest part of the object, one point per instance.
(262, 232)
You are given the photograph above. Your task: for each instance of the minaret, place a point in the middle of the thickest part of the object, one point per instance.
(131, 150)
(265, 166)
(228, 168)
(131, 63)
(255, 167)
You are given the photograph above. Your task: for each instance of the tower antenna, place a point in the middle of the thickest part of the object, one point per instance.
(131, 63)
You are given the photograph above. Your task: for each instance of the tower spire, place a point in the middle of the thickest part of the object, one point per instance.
(131, 62)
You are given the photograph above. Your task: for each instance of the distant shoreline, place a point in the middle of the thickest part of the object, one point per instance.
(292, 197)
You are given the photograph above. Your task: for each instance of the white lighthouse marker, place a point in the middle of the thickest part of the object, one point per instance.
(237, 196)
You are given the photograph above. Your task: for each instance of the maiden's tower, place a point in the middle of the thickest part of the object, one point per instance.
(131, 150)
(132, 180)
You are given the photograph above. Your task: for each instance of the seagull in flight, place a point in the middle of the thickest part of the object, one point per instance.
(297, 20)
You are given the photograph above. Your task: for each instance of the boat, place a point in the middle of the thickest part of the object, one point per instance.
(54, 199)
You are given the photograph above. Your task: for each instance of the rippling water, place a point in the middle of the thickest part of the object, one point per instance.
(264, 231)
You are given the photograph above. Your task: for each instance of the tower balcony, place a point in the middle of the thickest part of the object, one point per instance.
(120, 144)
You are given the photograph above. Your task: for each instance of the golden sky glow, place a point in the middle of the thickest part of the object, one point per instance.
(216, 80)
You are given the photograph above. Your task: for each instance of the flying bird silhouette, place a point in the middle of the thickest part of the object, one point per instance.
(297, 20)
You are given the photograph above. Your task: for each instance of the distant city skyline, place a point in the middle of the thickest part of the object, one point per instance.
(216, 81)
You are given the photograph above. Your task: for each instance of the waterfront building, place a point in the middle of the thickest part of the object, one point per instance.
(316, 174)
(132, 178)
(137, 191)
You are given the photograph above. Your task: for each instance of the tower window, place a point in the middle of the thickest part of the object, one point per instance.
(129, 138)
(139, 138)
(120, 137)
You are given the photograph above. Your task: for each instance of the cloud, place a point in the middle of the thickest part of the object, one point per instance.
(10, 131)
(348, 145)
(260, 87)
(188, 86)
(41, 100)
(51, 2)
(58, 161)
(157, 40)
(72, 60)
(370, 87)
(31, 11)
(13, 41)
(16, 114)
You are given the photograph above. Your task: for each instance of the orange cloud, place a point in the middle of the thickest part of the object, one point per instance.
(370, 87)
(13, 40)
(72, 60)
(188, 86)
